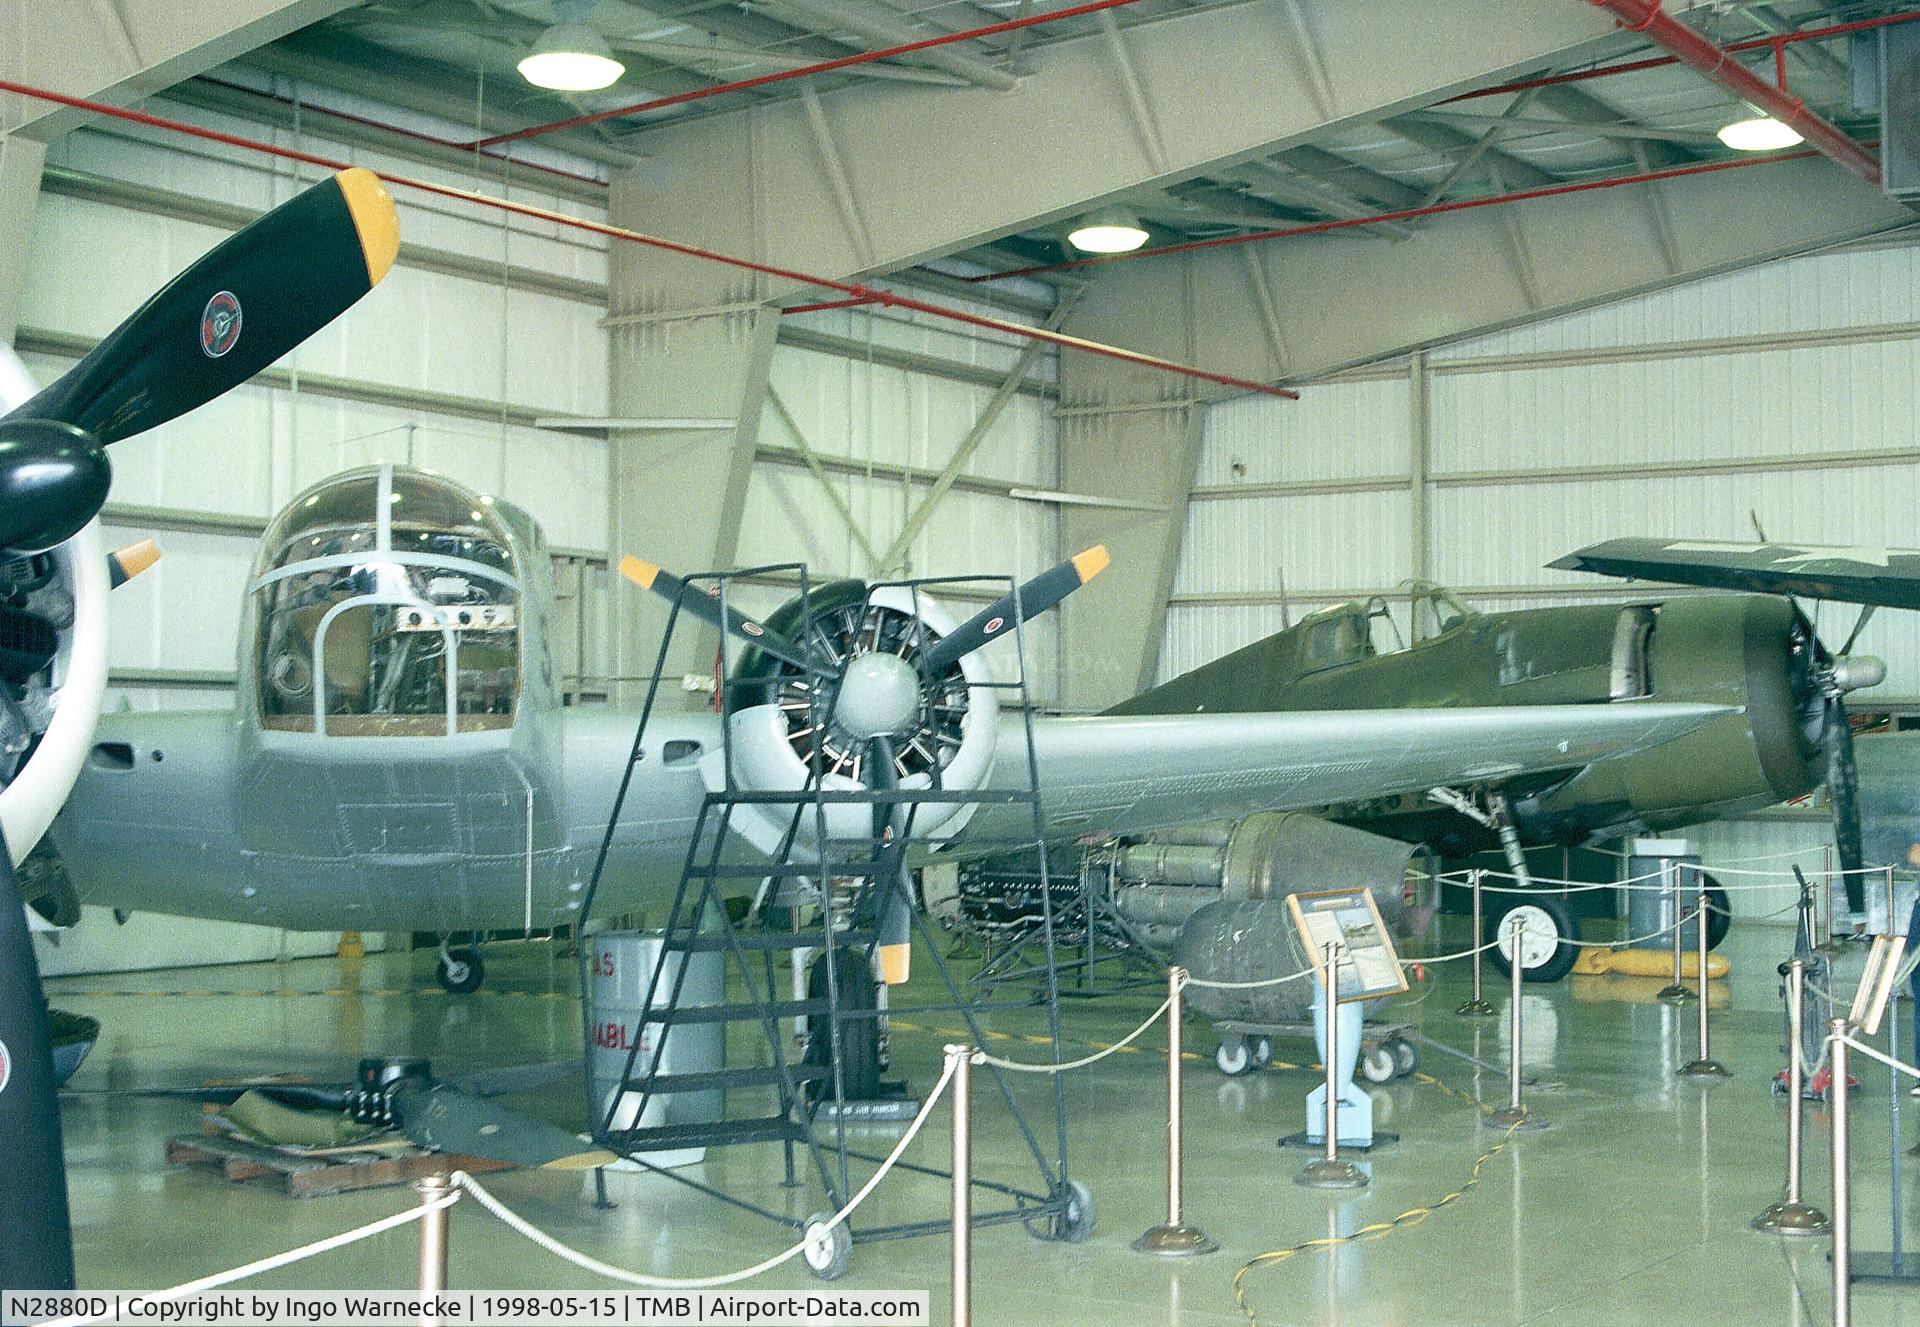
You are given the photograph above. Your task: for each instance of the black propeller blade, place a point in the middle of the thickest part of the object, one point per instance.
(37, 1252)
(244, 304)
(1843, 791)
(893, 902)
(445, 1119)
(1035, 598)
(707, 608)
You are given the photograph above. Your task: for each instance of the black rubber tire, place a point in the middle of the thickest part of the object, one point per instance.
(1234, 1058)
(1719, 912)
(1563, 955)
(1376, 1066)
(1406, 1056)
(859, 1036)
(468, 980)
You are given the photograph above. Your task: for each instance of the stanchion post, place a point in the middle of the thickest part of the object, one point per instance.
(1517, 1114)
(1175, 1239)
(1675, 991)
(962, 1060)
(433, 1242)
(1842, 1254)
(1791, 1216)
(1893, 925)
(1704, 1068)
(1330, 1172)
(1478, 1005)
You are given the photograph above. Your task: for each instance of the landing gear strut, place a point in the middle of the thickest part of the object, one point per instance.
(460, 971)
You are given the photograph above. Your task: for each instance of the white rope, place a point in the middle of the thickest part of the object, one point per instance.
(1029, 1067)
(612, 1273)
(1213, 985)
(1872, 1054)
(255, 1268)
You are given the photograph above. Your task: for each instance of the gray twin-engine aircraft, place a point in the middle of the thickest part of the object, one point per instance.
(397, 756)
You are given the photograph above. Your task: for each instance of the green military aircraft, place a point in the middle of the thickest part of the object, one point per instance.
(1785, 729)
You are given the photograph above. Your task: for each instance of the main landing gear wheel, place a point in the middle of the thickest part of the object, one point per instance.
(859, 1027)
(828, 1251)
(461, 971)
(1545, 954)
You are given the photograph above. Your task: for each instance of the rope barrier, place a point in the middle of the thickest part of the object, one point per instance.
(1413, 1216)
(1030, 1067)
(538, 1236)
(1899, 1066)
(269, 1264)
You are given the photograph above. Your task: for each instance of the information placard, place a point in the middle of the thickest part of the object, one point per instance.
(1349, 919)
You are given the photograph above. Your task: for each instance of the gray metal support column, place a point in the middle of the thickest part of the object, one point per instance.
(20, 163)
(687, 340)
(1131, 434)
(1419, 462)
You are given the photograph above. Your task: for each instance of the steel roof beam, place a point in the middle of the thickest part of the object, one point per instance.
(873, 27)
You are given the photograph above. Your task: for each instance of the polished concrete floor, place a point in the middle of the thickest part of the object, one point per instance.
(1632, 1207)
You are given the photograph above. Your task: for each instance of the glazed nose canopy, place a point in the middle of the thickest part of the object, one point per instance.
(880, 696)
(1856, 672)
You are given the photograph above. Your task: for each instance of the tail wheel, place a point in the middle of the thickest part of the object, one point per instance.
(1547, 927)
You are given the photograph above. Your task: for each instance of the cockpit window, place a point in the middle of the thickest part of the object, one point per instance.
(387, 604)
(1436, 609)
(1334, 640)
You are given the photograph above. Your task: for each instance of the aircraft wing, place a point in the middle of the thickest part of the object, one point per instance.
(1888, 577)
(1125, 774)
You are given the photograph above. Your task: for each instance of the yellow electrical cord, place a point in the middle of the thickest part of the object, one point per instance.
(1413, 1216)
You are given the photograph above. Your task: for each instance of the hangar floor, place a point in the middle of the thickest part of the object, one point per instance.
(1631, 1208)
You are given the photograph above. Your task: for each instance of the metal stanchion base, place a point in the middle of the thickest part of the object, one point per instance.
(1524, 1119)
(1325, 1174)
(1793, 1219)
(1705, 1071)
(1675, 994)
(1175, 1242)
(1476, 1009)
(1868, 1268)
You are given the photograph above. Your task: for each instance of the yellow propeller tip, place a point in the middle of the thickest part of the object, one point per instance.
(896, 963)
(135, 558)
(641, 573)
(371, 207)
(1092, 562)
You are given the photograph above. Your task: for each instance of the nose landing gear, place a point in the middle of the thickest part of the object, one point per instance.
(460, 971)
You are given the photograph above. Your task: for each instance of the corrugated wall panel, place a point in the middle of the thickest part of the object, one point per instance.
(1334, 431)
(1304, 543)
(1818, 292)
(1701, 408)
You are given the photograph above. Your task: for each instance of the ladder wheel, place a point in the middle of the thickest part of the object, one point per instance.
(859, 1029)
(1075, 1222)
(828, 1252)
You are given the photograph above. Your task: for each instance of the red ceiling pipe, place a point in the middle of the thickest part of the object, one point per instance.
(1718, 64)
(805, 71)
(1660, 61)
(866, 294)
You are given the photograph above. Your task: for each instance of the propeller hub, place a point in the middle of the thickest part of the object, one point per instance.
(879, 696)
(1854, 672)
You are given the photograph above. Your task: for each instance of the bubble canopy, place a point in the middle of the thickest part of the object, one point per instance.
(385, 603)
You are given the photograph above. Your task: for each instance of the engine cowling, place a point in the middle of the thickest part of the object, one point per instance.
(942, 730)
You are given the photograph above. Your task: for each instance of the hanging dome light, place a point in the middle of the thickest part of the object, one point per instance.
(571, 57)
(1761, 133)
(1109, 230)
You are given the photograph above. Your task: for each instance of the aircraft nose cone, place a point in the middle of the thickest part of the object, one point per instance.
(879, 696)
(1854, 672)
(53, 478)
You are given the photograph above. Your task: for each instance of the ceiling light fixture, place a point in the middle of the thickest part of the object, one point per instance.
(1762, 133)
(571, 57)
(1109, 230)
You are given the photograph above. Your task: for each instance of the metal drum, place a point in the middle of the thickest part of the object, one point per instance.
(620, 972)
(1649, 912)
